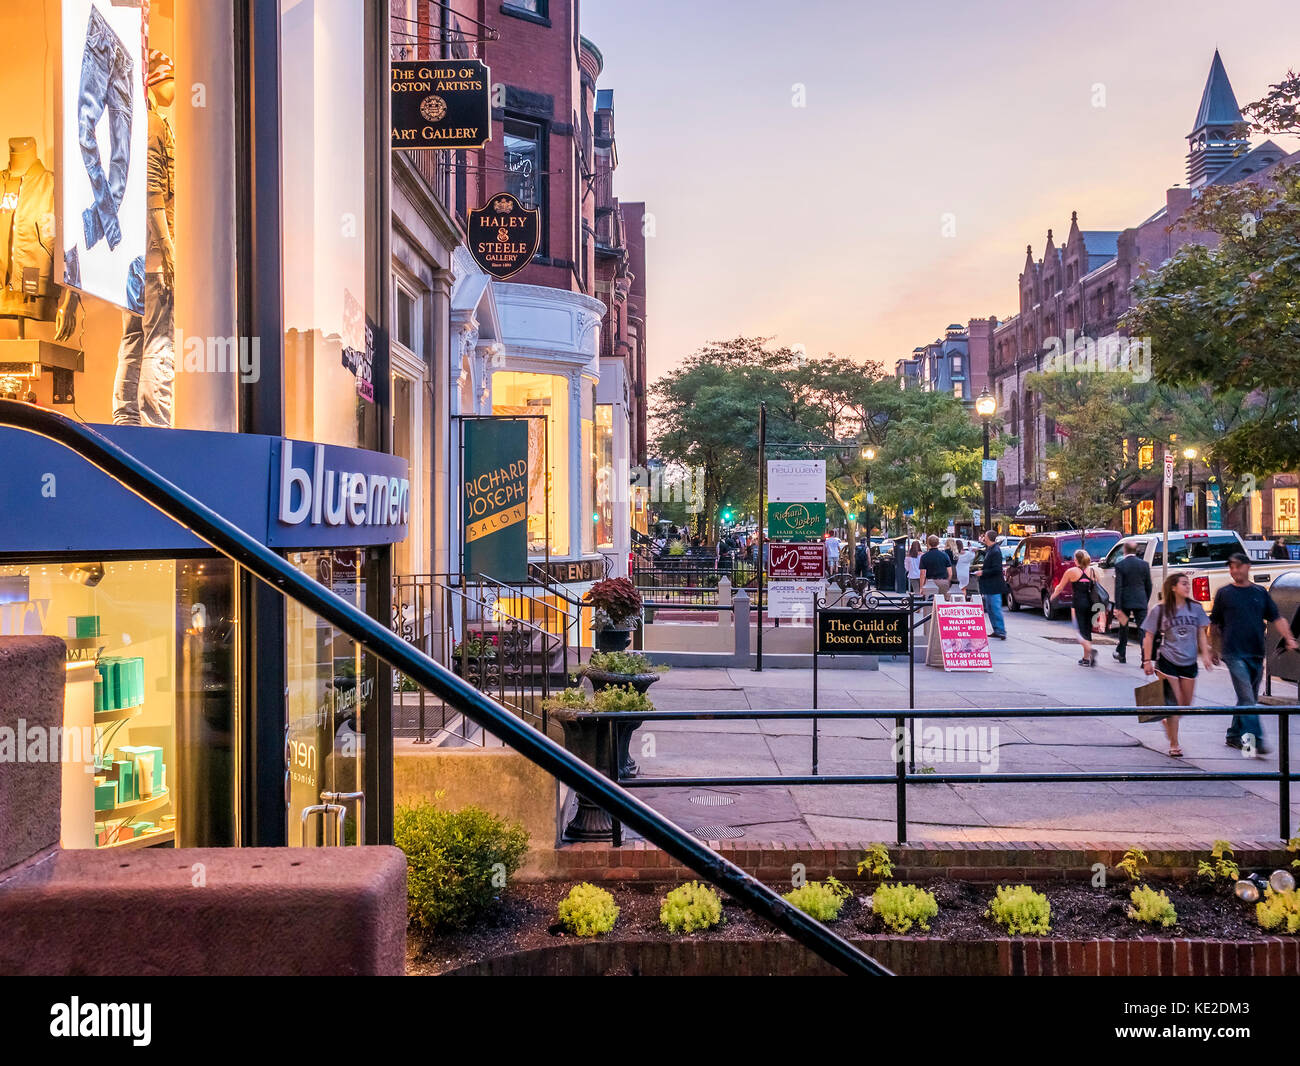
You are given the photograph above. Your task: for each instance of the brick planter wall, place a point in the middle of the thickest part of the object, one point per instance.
(907, 956)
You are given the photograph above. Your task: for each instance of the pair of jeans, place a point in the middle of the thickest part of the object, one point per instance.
(1246, 674)
(146, 361)
(1136, 616)
(106, 72)
(993, 604)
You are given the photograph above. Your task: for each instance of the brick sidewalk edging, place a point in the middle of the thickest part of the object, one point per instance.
(906, 956)
(981, 861)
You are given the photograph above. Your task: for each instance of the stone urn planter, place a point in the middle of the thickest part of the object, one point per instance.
(627, 724)
(613, 639)
(589, 739)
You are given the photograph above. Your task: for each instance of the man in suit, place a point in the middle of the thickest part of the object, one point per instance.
(1132, 595)
(993, 583)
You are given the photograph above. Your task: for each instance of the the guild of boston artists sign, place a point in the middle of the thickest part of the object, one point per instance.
(504, 235)
(441, 104)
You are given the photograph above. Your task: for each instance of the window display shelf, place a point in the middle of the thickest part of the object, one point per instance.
(163, 836)
(118, 714)
(129, 810)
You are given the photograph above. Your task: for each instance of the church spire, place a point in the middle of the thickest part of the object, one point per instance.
(1217, 137)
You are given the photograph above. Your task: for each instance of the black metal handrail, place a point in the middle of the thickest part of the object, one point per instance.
(377, 639)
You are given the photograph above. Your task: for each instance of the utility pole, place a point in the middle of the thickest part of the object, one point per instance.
(762, 519)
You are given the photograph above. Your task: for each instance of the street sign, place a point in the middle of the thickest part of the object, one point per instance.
(1189, 498)
(850, 632)
(796, 521)
(975, 515)
(796, 561)
(1169, 470)
(441, 104)
(989, 470)
(793, 599)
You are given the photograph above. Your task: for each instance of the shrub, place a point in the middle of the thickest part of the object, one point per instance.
(690, 907)
(1279, 910)
(1152, 907)
(1222, 866)
(617, 604)
(1132, 862)
(901, 906)
(457, 862)
(1293, 845)
(621, 698)
(820, 899)
(876, 862)
(588, 910)
(1021, 910)
(622, 662)
(567, 702)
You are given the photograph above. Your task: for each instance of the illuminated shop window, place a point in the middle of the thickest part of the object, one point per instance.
(588, 465)
(515, 393)
(607, 489)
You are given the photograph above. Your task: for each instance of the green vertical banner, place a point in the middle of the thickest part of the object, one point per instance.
(494, 496)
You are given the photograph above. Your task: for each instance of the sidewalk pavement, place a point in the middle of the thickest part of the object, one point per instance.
(1036, 667)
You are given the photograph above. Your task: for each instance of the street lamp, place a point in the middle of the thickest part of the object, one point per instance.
(985, 406)
(868, 454)
(1190, 453)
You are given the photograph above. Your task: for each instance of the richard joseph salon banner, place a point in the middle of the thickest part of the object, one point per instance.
(494, 497)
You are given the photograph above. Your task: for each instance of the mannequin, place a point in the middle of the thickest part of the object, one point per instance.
(146, 360)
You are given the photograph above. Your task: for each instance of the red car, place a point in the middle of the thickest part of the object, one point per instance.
(1041, 560)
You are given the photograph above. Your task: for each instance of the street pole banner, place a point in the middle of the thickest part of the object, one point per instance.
(795, 521)
(495, 498)
(441, 104)
(796, 561)
(796, 480)
(962, 635)
(989, 470)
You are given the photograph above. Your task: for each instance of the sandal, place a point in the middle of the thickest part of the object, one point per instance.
(1175, 752)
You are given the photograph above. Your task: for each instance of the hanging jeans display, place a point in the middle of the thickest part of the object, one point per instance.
(106, 72)
(146, 361)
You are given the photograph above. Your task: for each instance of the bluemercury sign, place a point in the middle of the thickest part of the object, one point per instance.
(796, 562)
(339, 489)
(795, 521)
(494, 498)
(441, 104)
(796, 480)
(504, 235)
(850, 632)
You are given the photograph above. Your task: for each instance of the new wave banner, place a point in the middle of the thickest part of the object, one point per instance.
(494, 498)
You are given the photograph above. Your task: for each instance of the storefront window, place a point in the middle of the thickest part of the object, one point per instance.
(588, 466)
(607, 489)
(328, 336)
(117, 273)
(332, 692)
(545, 394)
(148, 746)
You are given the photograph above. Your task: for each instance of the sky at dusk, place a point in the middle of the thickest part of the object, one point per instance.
(823, 225)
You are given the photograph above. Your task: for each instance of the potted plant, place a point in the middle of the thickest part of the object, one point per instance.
(480, 649)
(616, 612)
(622, 669)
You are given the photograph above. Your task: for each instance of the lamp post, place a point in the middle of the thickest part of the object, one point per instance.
(1190, 453)
(868, 454)
(985, 406)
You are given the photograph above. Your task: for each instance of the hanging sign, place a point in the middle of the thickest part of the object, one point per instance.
(504, 235)
(443, 104)
(494, 498)
(796, 521)
(796, 480)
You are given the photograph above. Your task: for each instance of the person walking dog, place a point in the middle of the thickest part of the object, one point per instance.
(1182, 626)
(1132, 595)
(1240, 616)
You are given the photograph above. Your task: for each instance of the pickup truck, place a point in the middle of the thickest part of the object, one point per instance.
(1201, 552)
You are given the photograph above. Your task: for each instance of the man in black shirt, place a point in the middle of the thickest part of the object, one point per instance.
(936, 566)
(1239, 617)
(993, 583)
(1132, 595)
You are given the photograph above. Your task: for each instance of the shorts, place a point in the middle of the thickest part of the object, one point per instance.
(1164, 666)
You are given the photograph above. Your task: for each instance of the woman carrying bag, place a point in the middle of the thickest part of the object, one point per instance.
(1181, 627)
(1086, 594)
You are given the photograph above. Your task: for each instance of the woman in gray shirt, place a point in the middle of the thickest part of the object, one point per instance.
(1183, 628)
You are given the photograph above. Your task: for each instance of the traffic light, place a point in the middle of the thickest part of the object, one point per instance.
(726, 514)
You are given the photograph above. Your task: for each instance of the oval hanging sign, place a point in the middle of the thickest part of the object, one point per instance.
(504, 235)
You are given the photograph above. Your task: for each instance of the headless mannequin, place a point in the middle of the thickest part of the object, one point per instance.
(22, 154)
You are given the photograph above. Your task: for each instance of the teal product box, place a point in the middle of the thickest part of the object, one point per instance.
(83, 626)
(125, 771)
(106, 796)
(133, 752)
(99, 693)
(140, 828)
(137, 682)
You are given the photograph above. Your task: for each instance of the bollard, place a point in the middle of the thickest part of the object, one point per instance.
(740, 625)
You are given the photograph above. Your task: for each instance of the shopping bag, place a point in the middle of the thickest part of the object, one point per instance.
(1155, 693)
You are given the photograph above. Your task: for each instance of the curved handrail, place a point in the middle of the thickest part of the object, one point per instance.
(378, 640)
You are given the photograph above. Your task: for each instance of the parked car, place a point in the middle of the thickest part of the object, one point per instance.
(1040, 560)
(1203, 552)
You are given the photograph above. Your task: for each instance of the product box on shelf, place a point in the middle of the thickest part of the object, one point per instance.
(126, 790)
(105, 794)
(142, 757)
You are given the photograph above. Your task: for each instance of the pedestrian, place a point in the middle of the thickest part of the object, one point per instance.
(913, 564)
(833, 545)
(1240, 616)
(1182, 627)
(993, 583)
(953, 549)
(1132, 595)
(938, 566)
(860, 559)
(1082, 577)
(1279, 549)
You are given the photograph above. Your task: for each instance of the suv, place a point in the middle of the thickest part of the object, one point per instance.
(1041, 559)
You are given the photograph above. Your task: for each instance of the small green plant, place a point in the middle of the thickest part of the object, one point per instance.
(902, 906)
(820, 899)
(621, 699)
(876, 862)
(1279, 910)
(481, 647)
(676, 548)
(568, 702)
(690, 907)
(1132, 862)
(1151, 907)
(622, 662)
(588, 910)
(1293, 845)
(457, 862)
(1222, 866)
(1021, 910)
